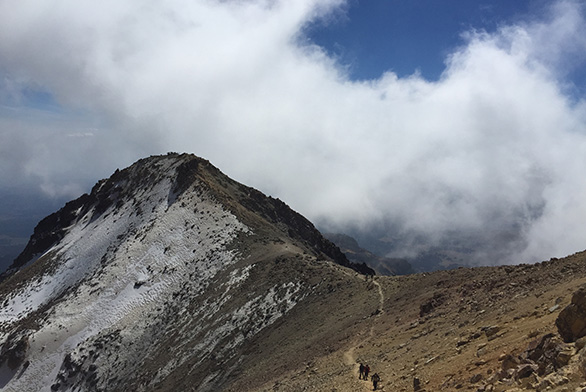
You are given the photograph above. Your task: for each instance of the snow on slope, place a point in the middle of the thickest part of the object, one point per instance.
(115, 271)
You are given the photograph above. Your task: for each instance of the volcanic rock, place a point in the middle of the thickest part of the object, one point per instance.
(571, 322)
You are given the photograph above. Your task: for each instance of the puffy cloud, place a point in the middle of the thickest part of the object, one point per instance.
(493, 150)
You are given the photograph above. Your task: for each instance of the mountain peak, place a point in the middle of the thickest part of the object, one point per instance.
(168, 248)
(176, 173)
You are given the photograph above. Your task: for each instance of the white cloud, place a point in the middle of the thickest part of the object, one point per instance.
(496, 143)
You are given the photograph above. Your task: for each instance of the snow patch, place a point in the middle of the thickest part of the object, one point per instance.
(233, 328)
(117, 269)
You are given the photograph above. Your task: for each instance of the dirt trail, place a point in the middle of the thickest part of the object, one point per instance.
(381, 300)
(349, 356)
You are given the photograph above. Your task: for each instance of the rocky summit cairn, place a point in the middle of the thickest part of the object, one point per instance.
(571, 322)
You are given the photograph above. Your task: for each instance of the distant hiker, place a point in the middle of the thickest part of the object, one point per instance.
(361, 374)
(375, 380)
(416, 384)
(366, 370)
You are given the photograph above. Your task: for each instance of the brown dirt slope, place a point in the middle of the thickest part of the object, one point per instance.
(449, 329)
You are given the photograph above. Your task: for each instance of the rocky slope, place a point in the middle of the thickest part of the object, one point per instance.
(483, 329)
(158, 279)
(170, 276)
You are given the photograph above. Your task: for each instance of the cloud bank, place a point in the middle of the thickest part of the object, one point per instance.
(494, 150)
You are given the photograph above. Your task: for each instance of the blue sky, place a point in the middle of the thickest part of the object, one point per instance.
(428, 117)
(407, 37)
(375, 36)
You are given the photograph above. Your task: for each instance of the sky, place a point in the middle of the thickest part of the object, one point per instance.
(421, 119)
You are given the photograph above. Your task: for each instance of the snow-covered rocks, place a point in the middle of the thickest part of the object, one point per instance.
(150, 273)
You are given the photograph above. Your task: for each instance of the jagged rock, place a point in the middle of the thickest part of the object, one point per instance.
(510, 362)
(491, 330)
(432, 303)
(529, 382)
(571, 322)
(580, 343)
(582, 363)
(462, 342)
(549, 353)
(525, 370)
(544, 357)
(564, 356)
(551, 381)
(14, 350)
(482, 350)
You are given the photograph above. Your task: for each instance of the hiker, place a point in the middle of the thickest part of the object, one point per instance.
(375, 380)
(366, 370)
(361, 374)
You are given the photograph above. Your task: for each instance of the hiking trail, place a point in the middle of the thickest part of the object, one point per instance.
(349, 356)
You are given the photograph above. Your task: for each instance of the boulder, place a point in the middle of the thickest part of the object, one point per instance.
(548, 352)
(580, 343)
(525, 370)
(571, 322)
(509, 362)
(491, 331)
(431, 304)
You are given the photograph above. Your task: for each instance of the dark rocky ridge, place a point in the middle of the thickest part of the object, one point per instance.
(120, 185)
(49, 231)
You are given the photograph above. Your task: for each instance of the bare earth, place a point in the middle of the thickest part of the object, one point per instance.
(378, 322)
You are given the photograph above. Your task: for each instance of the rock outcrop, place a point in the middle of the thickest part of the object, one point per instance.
(13, 351)
(571, 322)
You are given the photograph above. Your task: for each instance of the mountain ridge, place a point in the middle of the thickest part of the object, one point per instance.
(148, 246)
(171, 276)
(51, 229)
